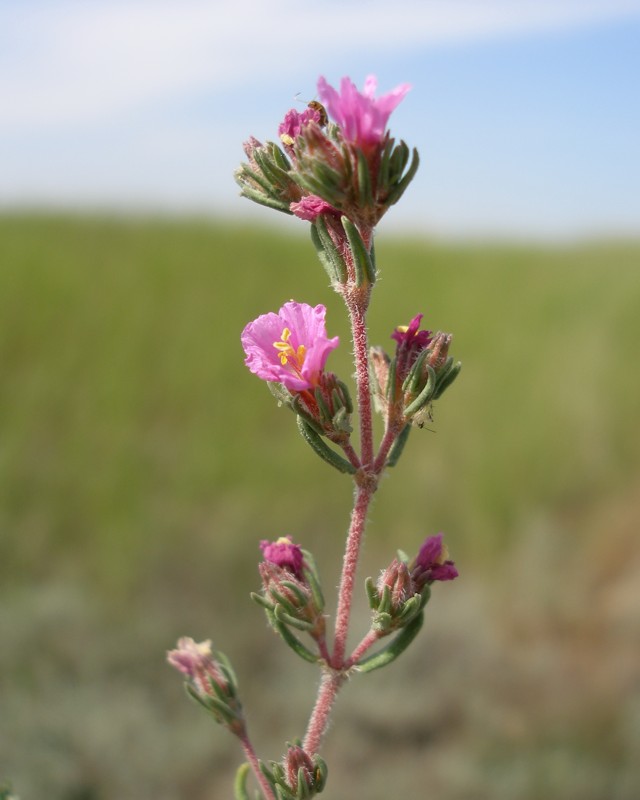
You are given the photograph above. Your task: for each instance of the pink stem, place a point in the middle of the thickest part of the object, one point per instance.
(345, 594)
(370, 639)
(390, 435)
(250, 753)
(319, 722)
(357, 305)
(351, 454)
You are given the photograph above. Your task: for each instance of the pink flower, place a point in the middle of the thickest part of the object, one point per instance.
(361, 117)
(196, 661)
(293, 122)
(284, 553)
(290, 347)
(433, 563)
(311, 207)
(411, 342)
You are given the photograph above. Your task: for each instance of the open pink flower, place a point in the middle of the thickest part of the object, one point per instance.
(361, 117)
(290, 347)
(433, 563)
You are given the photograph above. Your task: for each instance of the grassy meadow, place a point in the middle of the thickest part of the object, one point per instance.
(141, 463)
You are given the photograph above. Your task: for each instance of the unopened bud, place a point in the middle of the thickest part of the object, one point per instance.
(209, 680)
(305, 776)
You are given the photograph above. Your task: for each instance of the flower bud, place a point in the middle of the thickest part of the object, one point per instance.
(266, 177)
(209, 680)
(394, 599)
(305, 776)
(291, 589)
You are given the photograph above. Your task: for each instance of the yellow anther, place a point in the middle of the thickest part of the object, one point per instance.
(287, 355)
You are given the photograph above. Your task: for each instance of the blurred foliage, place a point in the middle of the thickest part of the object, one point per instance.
(140, 464)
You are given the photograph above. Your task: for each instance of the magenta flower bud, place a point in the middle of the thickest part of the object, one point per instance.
(411, 341)
(210, 681)
(311, 207)
(284, 553)
(290, 347)
(361, 116)
(432, 563)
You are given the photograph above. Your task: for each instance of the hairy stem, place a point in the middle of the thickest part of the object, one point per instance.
(350, 563)
(250, 753)
(319, 721)
(369, 640)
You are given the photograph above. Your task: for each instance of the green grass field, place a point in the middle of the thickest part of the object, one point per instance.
(140, 464)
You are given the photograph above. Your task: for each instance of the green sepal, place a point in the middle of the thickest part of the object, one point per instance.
(390, 388)
(273, 173)
(313, 579)
(365, 194)
(294, 643)
(282, 394)
(335, 264)
(383, 622)
(402, 556)
(410, 608)
(384, 605)
(215, 706)
(240, 784)
(288, 619)
(415, 376)
(398, 446)
(293, 587)
(394, 649)
(322, 449)
(346, 396)
(286, 605)
(322, 406)
(322, 772)
(447, 379)
(385, 162)
(365, 269)
(398, 190)
(264, 200)
(304, 792)
(261, 600)
(372, 594)
(298, 406)
(425, 395)
(268, 774)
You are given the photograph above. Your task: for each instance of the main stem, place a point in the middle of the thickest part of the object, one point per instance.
(366, 480)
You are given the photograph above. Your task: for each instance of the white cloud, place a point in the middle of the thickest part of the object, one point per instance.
(74, 63)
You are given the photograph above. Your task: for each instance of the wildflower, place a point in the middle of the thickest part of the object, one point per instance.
(361, 117)
(411, 341)
(209, 680)
(432, 563)
(305, 776)
(289, 129)
(284, 553)
(290, 347)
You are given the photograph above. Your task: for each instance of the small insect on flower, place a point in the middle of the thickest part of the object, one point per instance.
(322, 112)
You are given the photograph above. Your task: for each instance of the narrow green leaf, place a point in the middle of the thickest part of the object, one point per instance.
(322, 449)
(372, 594)
(295, 644)
(261, 600)
(240, 784)
(330, 249)
(397, 192)
(295, 622)
(448, 379)
(398, 446)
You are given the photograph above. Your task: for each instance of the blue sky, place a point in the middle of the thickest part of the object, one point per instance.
(526, 114)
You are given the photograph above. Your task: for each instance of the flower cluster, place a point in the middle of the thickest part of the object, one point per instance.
(421, 370)
(403, 589)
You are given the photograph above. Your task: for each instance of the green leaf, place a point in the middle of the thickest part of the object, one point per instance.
(294, 643)
(323, 450)
(398, 446)
(394, 649)
(240, 784)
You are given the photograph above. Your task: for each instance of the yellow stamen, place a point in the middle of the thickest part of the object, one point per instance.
(402, 328)
(287, 355)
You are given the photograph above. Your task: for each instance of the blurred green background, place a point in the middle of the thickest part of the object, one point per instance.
(141, 463)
